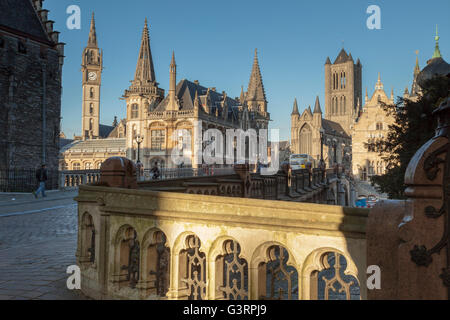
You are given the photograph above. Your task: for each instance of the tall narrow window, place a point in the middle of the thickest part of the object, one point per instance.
(134, 111)
(91, 124)
(91, 109)
(158, 139)
(91, 93)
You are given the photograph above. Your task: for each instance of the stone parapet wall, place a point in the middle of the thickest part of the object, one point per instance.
(139, 244)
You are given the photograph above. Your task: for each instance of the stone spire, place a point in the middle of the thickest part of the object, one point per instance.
(295, 110)
(317, 108)
(366, 99)
(417, 67)
(92, 42)
(242, 98)
(173, 103)
(255, 90)
(437, 52)
(379, 85)
(145, 71)
(196, 103)
(392, 94)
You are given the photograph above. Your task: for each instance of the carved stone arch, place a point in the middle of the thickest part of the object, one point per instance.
(263, 255)
(305, 139)
(178, 288)
(229, 270)
(126, 257)
(316, 262)
(155, 265)
(88, 243)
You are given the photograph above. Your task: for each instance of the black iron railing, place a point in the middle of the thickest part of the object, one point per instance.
(24, 180)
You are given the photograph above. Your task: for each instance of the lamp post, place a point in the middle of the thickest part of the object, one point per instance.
(139, 139)
(322, 162)
(335, 151)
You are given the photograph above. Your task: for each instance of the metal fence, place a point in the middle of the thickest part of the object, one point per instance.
(24, 180)
(174, 173)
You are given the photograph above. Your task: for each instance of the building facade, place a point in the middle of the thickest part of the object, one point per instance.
(31, 61)
(343, 90)
(306, 136)
(371, 125)
(154, 119)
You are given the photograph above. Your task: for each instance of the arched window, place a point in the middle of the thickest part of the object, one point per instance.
(306, 140)
(76, 166)
(88, 166)
(134, 111)
(91, 124)
(91, 93)
(91, 109)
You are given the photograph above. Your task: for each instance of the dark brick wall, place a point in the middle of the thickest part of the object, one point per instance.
(21, 120)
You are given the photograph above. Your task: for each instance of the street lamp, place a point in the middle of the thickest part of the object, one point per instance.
(139, 139)
(335, 151)
(322, 162)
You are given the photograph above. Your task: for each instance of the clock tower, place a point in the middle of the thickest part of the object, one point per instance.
(91, 67)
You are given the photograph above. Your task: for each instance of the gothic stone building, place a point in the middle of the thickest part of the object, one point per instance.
(306, 136)
(371, 125)
(155, 117)
(31, 60)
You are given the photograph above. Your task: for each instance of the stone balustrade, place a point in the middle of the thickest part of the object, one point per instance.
(70, 179)
(143, 244)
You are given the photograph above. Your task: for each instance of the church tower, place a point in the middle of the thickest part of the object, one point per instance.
(92, 66)
(343, 90)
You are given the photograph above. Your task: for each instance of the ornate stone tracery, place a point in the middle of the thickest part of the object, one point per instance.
(234, 272)
(195, 276)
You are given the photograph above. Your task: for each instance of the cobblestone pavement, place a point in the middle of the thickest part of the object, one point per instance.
(36, 248)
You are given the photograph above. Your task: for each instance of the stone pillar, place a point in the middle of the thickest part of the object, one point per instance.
(118, 172)
(410, 240)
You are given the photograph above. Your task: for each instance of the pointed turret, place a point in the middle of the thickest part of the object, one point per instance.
(145, 72)
(242, 98)
(366, 99)
(295, 109)
(417, 67)
(437, 52)
(92, 42)
(317, 108)
(379, 85)
(328, 61)
(173, 103)
(255, 90)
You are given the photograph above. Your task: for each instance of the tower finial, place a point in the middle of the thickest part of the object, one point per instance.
(145, 72)
(437, 52)
(92, 42)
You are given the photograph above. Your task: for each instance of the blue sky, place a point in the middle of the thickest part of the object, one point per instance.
(214, 42)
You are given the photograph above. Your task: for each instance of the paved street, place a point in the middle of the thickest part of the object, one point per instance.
(37, 244)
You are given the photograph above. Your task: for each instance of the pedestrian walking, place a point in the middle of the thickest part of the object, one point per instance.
(41, 177)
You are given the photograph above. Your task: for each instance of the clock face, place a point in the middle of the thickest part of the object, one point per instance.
(92, 76)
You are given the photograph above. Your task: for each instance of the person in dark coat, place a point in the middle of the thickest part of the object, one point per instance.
(41, 177)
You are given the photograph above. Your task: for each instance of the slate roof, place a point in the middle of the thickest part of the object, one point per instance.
(20, 16)
(97, 145)
(185, 92)
(333, 128)
(435, 67)
(104, 130)
(342, 57)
